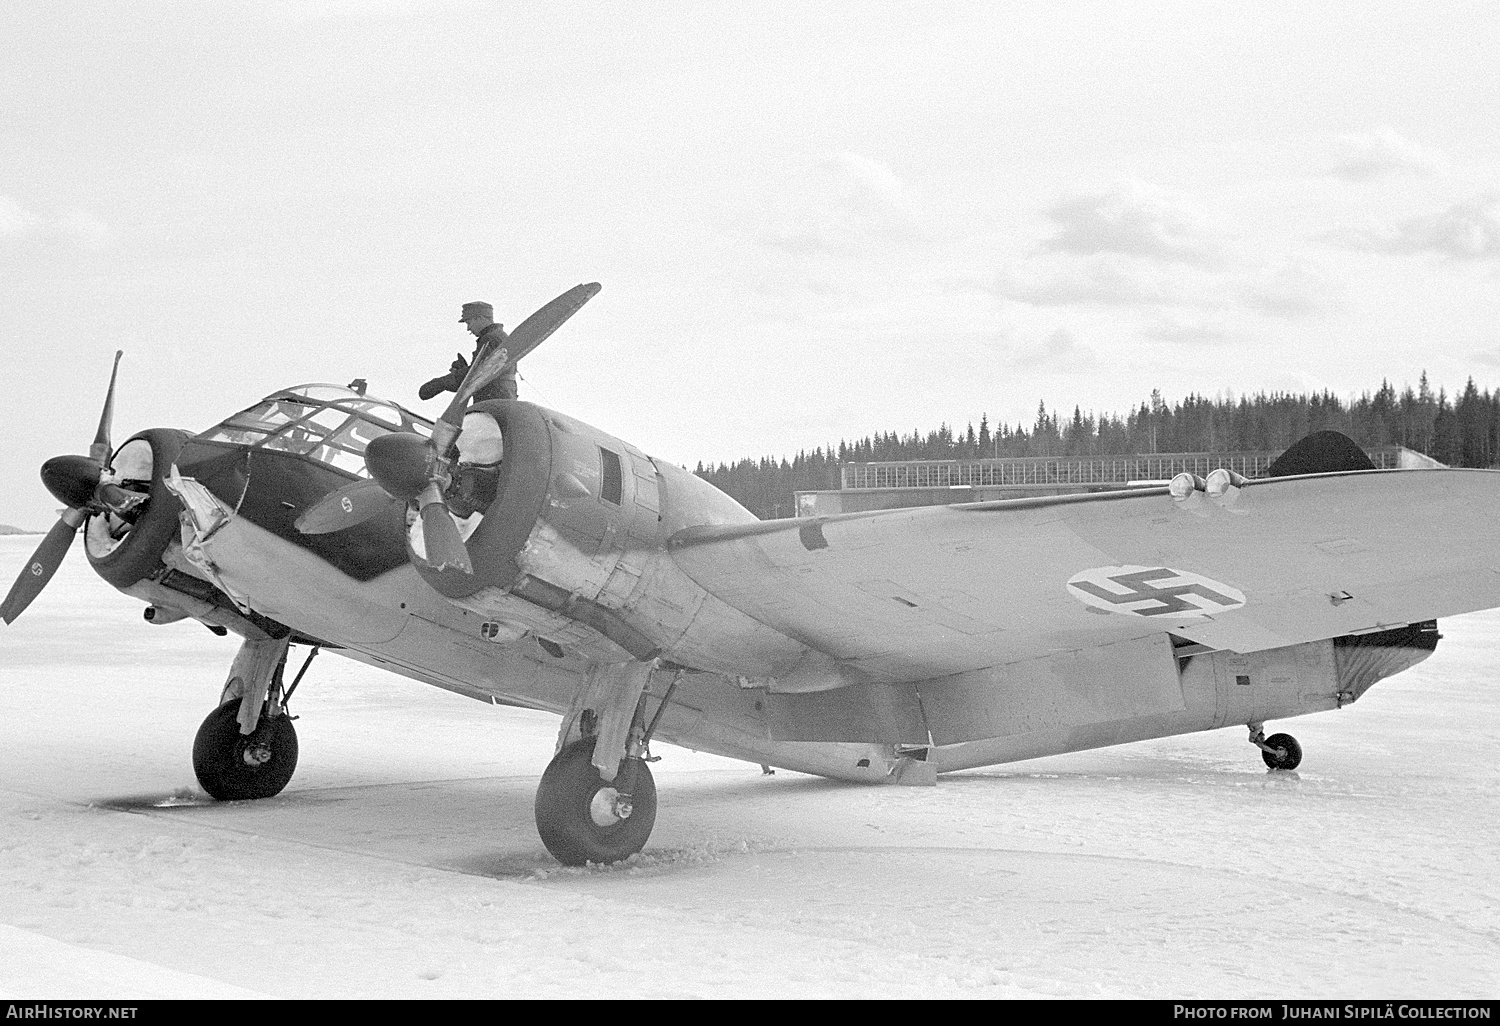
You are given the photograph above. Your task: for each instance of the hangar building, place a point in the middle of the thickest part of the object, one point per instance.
(897, 484)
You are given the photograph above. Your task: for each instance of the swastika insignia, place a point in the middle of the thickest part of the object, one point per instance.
(347, 504)
(1153, 591)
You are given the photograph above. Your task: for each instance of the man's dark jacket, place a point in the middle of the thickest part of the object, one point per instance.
(503, 387)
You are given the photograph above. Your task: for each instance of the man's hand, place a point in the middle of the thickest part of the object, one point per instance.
(449, 382)
(437, 386)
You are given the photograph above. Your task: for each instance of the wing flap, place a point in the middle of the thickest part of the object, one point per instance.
(1108, 684)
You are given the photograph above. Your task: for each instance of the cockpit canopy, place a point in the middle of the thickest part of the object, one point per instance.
(326, 423)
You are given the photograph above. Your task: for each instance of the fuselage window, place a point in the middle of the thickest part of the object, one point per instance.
(609, 489)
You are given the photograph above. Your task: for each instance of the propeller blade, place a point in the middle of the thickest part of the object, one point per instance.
(440, 537)
(537, 328)
(529, 334)
(44, 563)
(101, 450)
(352, 504)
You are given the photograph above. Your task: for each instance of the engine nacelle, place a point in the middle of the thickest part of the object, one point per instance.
(575, 538)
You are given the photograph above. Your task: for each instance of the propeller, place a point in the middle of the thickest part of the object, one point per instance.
(411, 467)
(85, 486)
(407, 467)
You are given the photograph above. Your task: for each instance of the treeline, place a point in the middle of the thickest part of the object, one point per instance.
(1461, 431)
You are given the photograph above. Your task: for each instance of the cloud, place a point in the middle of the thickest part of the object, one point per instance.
(86, 230)
(1383, 152)
(1137, 246)
(1196, 334)
(14, 218)
(1060, 351)
(1106, 280)
(872, 175)
(847, 205)
(1465, 231)
(1133, 218)
(1292, 289)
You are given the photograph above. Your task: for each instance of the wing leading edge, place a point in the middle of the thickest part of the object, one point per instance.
(906, 595)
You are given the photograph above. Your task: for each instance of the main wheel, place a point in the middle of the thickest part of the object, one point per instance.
(582, 818)
(1292, 752)
(232, 766)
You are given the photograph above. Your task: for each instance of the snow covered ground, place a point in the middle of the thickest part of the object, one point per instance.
(403, 861)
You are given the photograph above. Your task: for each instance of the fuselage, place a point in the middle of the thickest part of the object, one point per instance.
(573, 567)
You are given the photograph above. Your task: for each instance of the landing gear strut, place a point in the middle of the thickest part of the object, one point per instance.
(1280, 751)
(584, 812)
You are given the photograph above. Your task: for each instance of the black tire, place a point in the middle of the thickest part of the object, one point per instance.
(565, 808)
(1288, 744)
(219, 755)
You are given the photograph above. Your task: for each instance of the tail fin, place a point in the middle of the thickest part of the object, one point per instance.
(1322, 452)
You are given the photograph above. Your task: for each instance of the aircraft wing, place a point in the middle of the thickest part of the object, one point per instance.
(912, 594)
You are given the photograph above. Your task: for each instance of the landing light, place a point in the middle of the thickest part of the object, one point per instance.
(1222, 482)
(1184, 485)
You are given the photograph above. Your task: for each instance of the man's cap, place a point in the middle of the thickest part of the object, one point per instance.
(473, 309)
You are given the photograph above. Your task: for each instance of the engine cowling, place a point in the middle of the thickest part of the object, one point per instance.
(124, 553)
(521, 494)
(577, 528)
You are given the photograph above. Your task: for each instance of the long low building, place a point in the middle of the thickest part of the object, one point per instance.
(899, 483)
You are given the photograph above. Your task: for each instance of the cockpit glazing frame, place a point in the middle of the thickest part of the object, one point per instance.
(329, 424)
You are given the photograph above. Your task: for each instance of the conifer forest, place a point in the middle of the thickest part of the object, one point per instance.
(1462, 430)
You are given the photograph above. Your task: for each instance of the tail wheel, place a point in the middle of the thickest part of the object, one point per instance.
(1291, 756)
(583, 818)
(232, 766)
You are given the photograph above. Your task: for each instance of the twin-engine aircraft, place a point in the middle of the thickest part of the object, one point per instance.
(521, 557)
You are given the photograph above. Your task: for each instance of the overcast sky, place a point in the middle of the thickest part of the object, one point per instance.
(811, 221)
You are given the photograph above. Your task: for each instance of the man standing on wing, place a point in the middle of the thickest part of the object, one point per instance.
(480, 320)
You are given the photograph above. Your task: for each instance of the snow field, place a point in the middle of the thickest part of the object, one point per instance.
(402, 860)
